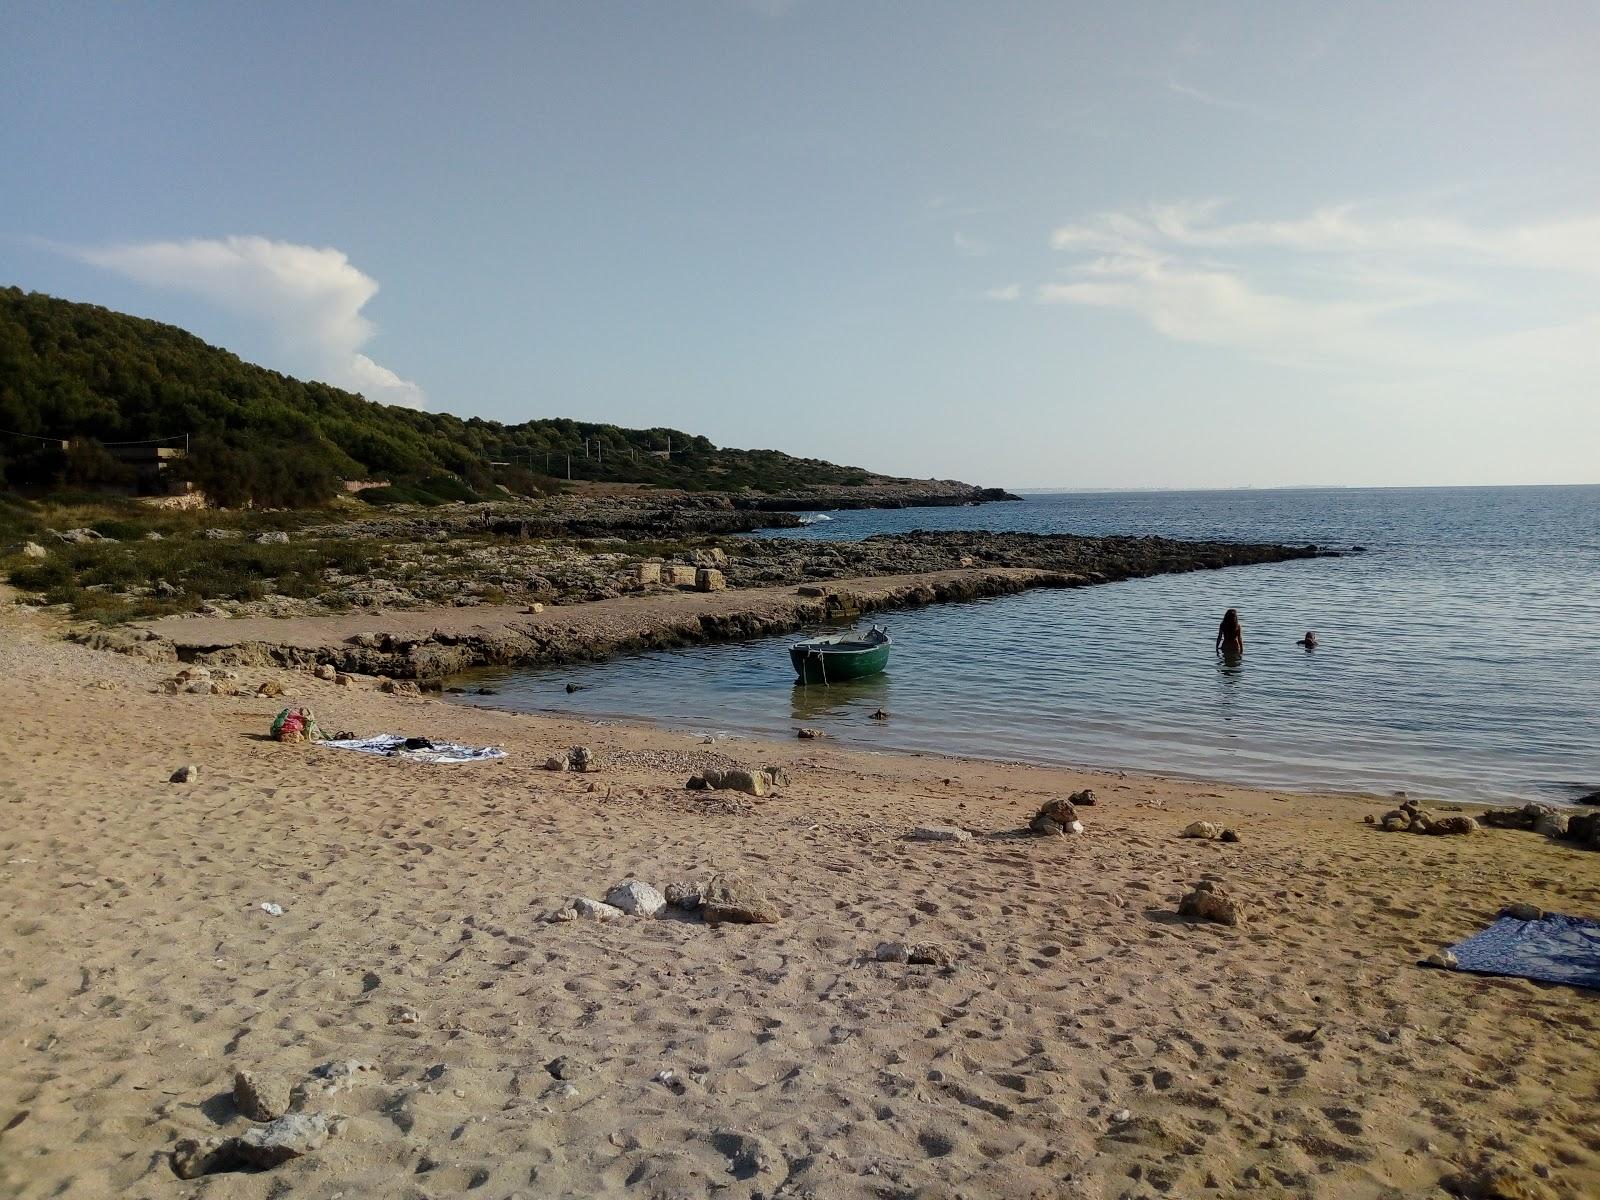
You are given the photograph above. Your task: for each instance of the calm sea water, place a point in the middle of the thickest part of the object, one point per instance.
(1459, 656)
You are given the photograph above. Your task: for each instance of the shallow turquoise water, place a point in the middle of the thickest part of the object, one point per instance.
(1459, 657)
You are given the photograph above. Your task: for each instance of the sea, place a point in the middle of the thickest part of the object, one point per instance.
(1458, 651)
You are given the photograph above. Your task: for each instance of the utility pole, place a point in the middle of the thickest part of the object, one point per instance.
(569, 468)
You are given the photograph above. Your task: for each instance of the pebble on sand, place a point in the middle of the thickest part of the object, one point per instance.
(187, 773)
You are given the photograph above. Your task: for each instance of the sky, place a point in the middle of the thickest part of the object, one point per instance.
(1021, 244)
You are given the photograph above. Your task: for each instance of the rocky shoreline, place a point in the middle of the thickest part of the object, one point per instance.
(780, 586)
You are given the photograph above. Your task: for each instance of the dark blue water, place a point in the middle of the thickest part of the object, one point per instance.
(1459, 656)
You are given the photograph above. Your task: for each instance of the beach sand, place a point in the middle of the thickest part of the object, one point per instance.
(1086, 1043)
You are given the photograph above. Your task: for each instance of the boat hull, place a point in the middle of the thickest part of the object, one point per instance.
(834, 666)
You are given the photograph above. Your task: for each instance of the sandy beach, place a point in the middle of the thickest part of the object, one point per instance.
(1085, 1042)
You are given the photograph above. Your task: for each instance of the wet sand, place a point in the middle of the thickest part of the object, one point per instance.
(1086, 1043)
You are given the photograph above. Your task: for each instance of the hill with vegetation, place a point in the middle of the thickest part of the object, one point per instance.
(75, 378)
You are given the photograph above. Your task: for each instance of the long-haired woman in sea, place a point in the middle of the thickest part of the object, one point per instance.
(1230, 635)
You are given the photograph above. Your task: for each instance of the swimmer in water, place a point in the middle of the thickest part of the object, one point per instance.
(1309, 641)
(1230, 635)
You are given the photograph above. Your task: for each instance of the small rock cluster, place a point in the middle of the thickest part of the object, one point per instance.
(1056, 817)
(288, 1128)
(579, 758)
(1542, 819)
(722, 899)
(201, 681)
(1409, 818)
(1210, 901)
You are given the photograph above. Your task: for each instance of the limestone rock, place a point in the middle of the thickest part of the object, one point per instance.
(1209, 830)
(1452, 826)
(1084, 799)
(1523, 911)
(807, 735)
(676, 575)
(776, 776)
(401, 687)
(278, 1141)
(263, 1147)
(709, 579)
(187, 773)
(325, 671)
(27, 550)
(273, 537)
(685, 895)
(555, 762)
(924, 954)
(344, 680)
(1584, 830)
(585, 909)
(737, 900)
(711, 556)
(636, 898)
(581, 758)
(647, 572)
(1442, 958)
(564, 1067)
(194, 1157)
(270, 687)
(734, 779)
(1056, 816)
(1551, 825)
(1210, 902)
(259, 1096)
(939, 833)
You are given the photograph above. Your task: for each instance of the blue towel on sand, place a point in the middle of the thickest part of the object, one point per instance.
(1554, 949)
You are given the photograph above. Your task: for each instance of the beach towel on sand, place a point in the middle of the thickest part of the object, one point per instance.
(1553, 949)
(392, 745)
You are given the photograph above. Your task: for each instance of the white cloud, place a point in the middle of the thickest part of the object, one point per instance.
(1010, 291)
(1345, 287)
(311, 298)
(1213, 100)
(971, 247)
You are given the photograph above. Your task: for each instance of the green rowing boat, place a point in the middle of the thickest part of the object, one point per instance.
(841, 656)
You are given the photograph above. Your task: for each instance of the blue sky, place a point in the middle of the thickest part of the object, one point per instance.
(1030, 244)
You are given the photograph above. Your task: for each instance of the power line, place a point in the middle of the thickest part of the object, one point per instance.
(184, 437)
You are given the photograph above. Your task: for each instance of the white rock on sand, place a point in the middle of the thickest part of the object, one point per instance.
(636, 898)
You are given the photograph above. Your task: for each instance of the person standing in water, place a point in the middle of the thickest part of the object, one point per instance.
(1230, 635)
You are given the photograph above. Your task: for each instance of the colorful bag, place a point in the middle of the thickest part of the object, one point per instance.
(296, 725)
